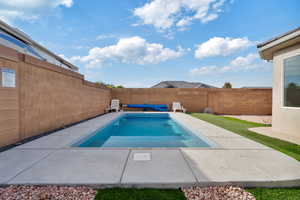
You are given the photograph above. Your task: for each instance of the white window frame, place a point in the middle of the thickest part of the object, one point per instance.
(15, 77)
(282, 83)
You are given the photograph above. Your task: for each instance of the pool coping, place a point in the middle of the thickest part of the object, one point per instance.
(221, 169)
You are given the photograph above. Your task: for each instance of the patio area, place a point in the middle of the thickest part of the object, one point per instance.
(234, 160)
(268, 131)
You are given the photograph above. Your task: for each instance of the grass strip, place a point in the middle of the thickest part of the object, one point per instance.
(140, 194)
(241, 127)
(275, 193)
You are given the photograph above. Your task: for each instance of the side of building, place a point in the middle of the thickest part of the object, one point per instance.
(284, 50)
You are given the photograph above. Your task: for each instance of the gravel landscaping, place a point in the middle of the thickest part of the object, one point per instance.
(191, 193)
(46, 193)
(85, 193)
(217, 193)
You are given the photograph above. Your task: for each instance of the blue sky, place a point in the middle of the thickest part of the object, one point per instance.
(138, 43)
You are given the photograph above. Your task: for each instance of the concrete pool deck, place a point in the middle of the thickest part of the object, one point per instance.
(234, 160)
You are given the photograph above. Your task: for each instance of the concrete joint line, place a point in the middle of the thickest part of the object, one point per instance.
(125, 164)
(30, 166)
(184, 158)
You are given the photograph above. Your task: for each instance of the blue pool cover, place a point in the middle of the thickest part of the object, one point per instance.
(143, 130)
(147, 107)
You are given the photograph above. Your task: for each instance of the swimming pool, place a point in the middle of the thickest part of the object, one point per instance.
(143, 130)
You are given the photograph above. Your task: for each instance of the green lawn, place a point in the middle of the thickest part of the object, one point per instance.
(164, 194)
(241, 127)
(139, 194)
(275, 193)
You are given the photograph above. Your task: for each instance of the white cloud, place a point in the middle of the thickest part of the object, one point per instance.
(30, 9)
(184, 22)
(80, 47)
(93, 75)
(244, 61)
(249, 62)
(131, 50)
(217, 46)
(164, 14)
(105, 36)
(209, 17)
(218, 4)
(203, 70)
(72, 59)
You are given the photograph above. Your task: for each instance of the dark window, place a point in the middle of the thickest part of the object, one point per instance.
(292, 81)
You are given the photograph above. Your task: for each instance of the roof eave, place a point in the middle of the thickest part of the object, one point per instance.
(12, 31)
(267, 49)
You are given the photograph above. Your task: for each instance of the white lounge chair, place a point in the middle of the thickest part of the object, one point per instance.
(178, 106)
(114, 105)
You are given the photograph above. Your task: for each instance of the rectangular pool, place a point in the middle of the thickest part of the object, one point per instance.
(143, 130)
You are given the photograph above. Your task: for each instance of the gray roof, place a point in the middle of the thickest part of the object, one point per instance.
(277, 37)
(181, 84)
(16, 39)
(267, 49)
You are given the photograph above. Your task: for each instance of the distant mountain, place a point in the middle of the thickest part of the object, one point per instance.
(181, 84)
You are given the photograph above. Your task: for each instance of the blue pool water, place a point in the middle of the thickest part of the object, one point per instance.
(143, 130)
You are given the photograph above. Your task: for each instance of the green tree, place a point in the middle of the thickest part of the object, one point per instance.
(109, 85)
(227, 85)
(99, 83)
(292, 85)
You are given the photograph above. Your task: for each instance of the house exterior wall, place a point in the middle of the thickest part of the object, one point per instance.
(285, 120)
(46, 97)
(222, 101)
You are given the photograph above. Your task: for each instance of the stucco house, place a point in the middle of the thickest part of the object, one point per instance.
(15, 39)
(284, 51)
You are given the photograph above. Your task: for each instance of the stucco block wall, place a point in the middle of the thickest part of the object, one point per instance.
(222, 101)
(285, 120)
(47, 97)
(9, 102)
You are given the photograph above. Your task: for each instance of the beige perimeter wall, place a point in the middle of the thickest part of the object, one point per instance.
(47, 97)
(222, 101)
(9, 101)
(285, 120)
